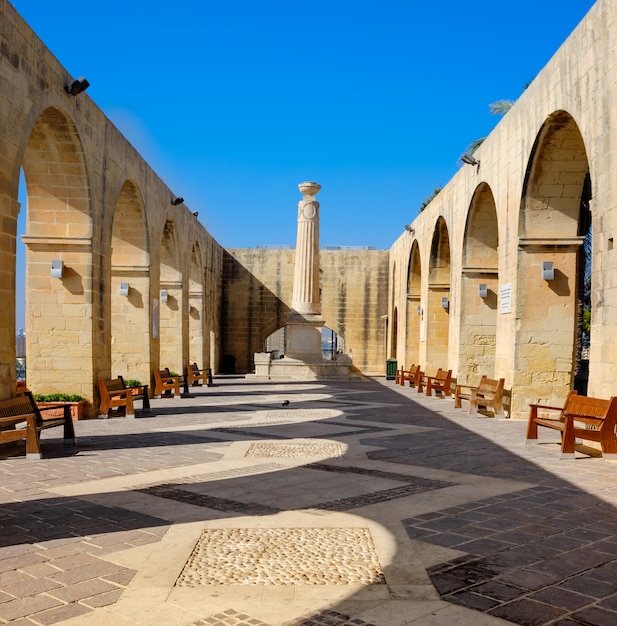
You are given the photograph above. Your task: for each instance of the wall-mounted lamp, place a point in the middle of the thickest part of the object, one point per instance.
(57, 269)
(419, 310)
(410, 229)
(164, 295)
(124, 289)
(177, 201)
(195, 213)
(469, 159)
(445, 303)
(77, 86)
(483, 290)
(548, 270)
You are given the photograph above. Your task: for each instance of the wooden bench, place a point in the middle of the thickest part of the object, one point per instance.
(413, 375)
(196, 376)
(20, 418)
(165, 384)
(591, 419)
(441, 383)
(489, 394)
(115, 393)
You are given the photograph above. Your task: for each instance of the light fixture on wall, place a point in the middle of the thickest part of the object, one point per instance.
(57, 269)
(177, 201)
(469, 159)
(195, 213)
(124, 289)
(419, 310)
(548, 270)
(483, 290)
(77, 86)
(410, 229)
(164, 295)
(445, 303)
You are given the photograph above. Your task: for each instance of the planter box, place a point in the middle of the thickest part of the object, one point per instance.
(77, 409)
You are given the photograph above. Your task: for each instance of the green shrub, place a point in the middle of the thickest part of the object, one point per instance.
(57, 397)
(131, 382)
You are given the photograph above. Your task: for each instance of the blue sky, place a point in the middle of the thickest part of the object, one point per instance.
(234, 103)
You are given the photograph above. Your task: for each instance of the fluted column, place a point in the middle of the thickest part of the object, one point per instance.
(305, 299)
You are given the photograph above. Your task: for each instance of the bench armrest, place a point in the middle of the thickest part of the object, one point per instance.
(116, 392)
(471, 387)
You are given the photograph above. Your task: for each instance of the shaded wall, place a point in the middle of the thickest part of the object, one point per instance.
(257, 293)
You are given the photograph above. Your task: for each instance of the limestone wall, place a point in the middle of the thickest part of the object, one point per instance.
(529, 188)
(95, 205)
(257, 293)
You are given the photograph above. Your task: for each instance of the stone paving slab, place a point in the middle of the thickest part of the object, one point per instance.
(458, 520)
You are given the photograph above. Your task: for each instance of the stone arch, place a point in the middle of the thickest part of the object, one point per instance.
(437, 316)
(478, 315)
(59, 311)
(171, 300)
(130, 287)
(413, 307)
(549, 231)
(196, 309)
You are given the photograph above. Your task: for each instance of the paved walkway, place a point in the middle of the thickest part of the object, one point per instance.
(360, 504)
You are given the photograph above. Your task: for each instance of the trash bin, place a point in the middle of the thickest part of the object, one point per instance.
(391, 367)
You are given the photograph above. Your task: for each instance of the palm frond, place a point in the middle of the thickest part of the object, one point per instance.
(500, 107)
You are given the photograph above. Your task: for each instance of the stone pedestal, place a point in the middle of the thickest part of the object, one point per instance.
(303, 336)
(262, 364)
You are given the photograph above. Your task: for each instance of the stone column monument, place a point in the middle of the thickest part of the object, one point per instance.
(304, 323)
(303, 359)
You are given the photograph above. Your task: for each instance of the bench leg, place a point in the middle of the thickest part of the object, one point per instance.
(69, 427)
(498, 410)
(33, 444)
(532, 427)
(567, 440)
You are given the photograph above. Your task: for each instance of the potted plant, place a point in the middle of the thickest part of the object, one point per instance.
(57, 401)
(134, 385)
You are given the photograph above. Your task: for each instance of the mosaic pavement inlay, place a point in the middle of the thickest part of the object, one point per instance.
(283, 556)
(294, 450)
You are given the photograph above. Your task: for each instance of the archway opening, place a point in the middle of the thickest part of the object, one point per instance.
(413, 308)
(130, 287)
(479, 286)
(553, 225)
(438, 306)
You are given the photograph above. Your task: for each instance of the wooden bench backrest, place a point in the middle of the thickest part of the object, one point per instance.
(443, 376)
(491, 386)
(117, 384)
(15, 410)
(593, 411)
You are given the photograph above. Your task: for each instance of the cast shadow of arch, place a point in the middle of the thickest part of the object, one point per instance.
(547, 537)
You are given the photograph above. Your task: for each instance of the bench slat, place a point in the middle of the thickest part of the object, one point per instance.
(23, 411)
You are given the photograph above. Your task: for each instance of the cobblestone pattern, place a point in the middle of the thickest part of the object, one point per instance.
(541, 555)
(295, 450)
(283, 556)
